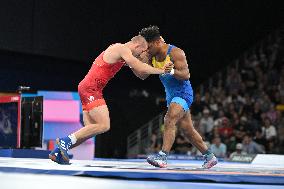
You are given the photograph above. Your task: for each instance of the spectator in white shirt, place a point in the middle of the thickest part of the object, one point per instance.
(206, 122)
(268, 130)
(270, 134)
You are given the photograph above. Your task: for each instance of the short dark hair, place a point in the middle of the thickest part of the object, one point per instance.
(150, 33)
(249, 135)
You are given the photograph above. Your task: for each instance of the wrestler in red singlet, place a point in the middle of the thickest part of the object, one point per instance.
(91, 87)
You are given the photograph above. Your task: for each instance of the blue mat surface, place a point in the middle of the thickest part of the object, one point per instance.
(180, 170)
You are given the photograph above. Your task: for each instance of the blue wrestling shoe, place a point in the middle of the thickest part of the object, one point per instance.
(63, 144)
(210, 161)
(56, 156)
(158, 160)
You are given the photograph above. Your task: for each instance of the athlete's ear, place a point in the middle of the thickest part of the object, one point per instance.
(162, 39)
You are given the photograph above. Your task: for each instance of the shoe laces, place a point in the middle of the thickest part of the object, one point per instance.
(160, 157)
(64, 145)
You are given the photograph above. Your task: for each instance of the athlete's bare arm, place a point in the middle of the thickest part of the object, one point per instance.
(181, 70)
(146, 59)
(136, 64)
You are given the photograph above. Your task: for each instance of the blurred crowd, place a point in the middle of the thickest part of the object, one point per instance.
(240, 109)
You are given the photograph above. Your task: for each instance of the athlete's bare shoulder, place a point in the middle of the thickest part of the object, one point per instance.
(113, 53)
(177, 50)
(118, 48)
(177, 53)
(114, 47)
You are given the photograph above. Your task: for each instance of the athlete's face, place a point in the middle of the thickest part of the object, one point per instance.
(154, 47)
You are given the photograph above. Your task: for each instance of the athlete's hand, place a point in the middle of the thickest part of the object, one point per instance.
(168, 67)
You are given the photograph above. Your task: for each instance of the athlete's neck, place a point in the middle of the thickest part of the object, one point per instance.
(162, 53)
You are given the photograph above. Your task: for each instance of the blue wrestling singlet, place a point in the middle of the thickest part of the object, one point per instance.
(177, 91)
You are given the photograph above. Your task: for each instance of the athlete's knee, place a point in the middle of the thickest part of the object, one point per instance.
(170, 119)
(105, 126)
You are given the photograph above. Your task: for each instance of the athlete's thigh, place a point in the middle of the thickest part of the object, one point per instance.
(87, 118)
(175, 111)
(100, 114)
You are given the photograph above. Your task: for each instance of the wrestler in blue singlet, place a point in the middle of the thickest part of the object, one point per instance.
(177, 91)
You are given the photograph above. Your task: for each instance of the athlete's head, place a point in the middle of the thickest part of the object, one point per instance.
(152, 36)
(140, 45)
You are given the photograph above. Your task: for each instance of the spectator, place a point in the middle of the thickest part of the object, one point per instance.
(257, 112)
(269, 133)
(218, 148)
(213, 134)
(251, 147)
(239, 151)
(226, 130)
(248, 76)
(235, 120)
(259, 139)
(197, 106)
(265, 103)
(206, 123)
(231, 144)
(248, 107)
(276, 99)
(213, 106)
(206, 100)
(272, 113)
(231, 110)
(268, 130)
(219, 118)
(233, 80)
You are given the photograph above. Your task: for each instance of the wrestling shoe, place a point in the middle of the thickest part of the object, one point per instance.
(56, 156)
(210, 161)
(63, 144)
(158, 160)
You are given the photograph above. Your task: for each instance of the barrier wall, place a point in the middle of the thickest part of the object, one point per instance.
(62, 115)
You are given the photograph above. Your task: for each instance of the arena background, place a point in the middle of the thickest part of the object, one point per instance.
(50, 45)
